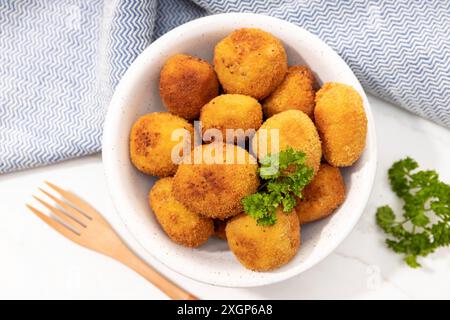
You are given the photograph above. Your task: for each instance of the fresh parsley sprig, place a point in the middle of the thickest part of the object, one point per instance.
(425, 225)
(285, 174)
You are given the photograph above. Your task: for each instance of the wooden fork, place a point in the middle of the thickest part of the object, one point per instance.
(82, 224)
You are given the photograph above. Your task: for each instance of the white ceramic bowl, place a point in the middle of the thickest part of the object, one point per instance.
(138, 94)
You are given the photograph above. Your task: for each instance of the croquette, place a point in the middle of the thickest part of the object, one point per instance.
(186, 84)
(232, 111)
(295, 130)
(151, 142)
(181, 225)
(251, 62)
(341, 122)
(322, 196)
(295, 92)
(219, 229)
(264, 248)
(214, 182)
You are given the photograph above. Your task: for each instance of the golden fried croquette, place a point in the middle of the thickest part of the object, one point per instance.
(264, 248)
(181, 225)
(295, 92)
(219, 229)
(186, 84)
(251, 62)
(324, 194)
(232, 111)
(296, 130)
(151, 144)
(341, 122)
(215, 187)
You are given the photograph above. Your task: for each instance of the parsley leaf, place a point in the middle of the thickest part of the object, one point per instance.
(425, 225)
(285, 175)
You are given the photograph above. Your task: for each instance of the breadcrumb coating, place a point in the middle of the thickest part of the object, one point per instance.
(151, 142)
(186, 84)
(231, 111)
(295, 92)
(180, 224)
(342, 123)
(250, 61)
(322, 196)
(296, 130)
(213, 189)
(264, 248)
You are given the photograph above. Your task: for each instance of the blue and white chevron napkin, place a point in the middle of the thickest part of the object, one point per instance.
(60, 60)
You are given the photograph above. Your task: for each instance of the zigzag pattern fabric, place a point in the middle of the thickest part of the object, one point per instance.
(60, 60)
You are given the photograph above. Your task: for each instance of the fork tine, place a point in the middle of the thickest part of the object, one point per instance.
(61, 214)
(78, 216)
(85, 208)
(59, 227)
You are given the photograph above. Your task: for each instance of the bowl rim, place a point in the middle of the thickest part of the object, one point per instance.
(276, 277)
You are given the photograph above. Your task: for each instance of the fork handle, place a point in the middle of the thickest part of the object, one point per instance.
(131, 260)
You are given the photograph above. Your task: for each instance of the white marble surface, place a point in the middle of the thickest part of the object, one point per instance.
(38, 263)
